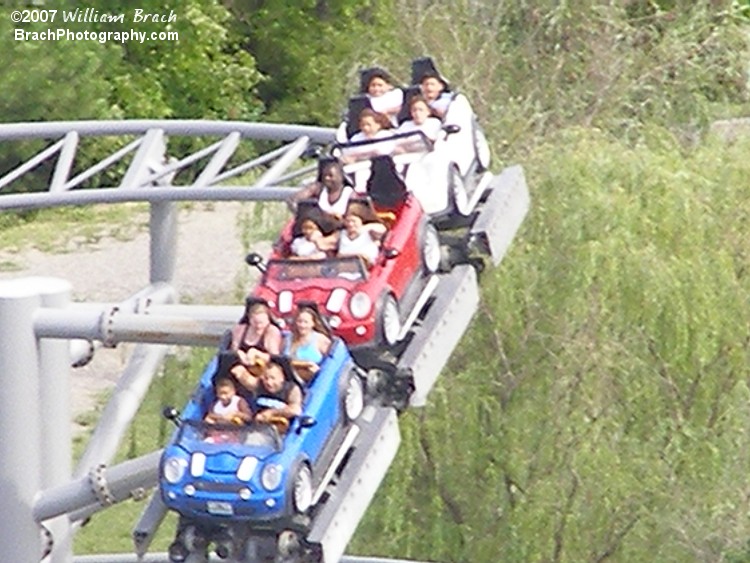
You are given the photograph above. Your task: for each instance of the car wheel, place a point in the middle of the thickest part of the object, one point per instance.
(431, 252)
(390, 321)
(302, 489)
(457, 190)
(287, 545)
(354, 397)
(481, 148)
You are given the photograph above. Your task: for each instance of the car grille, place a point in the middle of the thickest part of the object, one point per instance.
(212, 487)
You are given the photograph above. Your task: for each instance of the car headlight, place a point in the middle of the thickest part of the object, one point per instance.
(336, 300)
(197, 464)
(247, 468)
(360, 305)
(174, 469)
(270, 477)
(285, 301)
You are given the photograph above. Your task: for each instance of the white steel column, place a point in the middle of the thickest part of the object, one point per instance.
(55, 413)
(20, 415)
(163, 227)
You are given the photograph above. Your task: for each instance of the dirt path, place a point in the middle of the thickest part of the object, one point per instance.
(209, 269)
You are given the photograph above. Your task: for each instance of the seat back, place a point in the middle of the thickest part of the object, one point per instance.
(385, 186)
(426, 66)
(308, 209)
(356, 105)
(367, 74)
(409, 93)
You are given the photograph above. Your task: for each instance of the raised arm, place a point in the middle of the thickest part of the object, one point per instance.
(306, 192)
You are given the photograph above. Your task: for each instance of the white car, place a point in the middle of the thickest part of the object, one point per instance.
(448, 176)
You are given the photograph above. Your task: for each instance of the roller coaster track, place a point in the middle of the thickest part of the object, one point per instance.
(43, 333)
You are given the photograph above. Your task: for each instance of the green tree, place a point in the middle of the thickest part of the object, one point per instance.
(204, 74)
(310, 52)
(597, 408)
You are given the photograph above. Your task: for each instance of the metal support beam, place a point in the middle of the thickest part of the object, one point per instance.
(457, 297)
(163, 241)
(294, 151)
(374, 450)
(101, 488)
(55, 415)
(116, 417)
(117, 195)
(149, 158)
(148, 523)
(260, 131)
(219, 160)
(228, 314)
(20, 414)
(502, 214)
(30, 164)
(103, 164)
(114, 327)
(64, 162)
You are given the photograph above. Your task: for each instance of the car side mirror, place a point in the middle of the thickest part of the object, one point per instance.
(391, 253)
(312, 151)
(255, 259)
(306, 422)
(171, 413)
(451, 128)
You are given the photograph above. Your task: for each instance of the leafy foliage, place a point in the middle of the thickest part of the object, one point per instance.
(310, 51)
(205, 74)
(600, 400)
(598, 407)
(531, 68)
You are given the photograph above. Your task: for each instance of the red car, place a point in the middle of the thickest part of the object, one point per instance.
(370, 306)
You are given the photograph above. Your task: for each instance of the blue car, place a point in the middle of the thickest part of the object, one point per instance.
(228, 481)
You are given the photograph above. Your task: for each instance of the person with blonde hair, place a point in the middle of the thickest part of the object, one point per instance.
(255, 337)
(308, 342)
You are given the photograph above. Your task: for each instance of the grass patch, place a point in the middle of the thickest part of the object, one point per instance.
(10, 266)
(65, 229)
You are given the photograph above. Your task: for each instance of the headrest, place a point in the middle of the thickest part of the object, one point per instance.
(425, 67)
(385, 186)
(356, 105)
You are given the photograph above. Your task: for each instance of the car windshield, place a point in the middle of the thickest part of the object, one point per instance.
(349, 268)
(409, 141)
(258, 435)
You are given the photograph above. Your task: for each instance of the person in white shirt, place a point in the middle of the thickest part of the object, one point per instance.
(422, 119)
(433, 88)
(372, 126)
(384, 97)
(360, 236)
(306, 245)
(331, 189)
(357, 240)
(229, 406)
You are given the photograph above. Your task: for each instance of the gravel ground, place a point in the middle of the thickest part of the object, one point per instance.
(209, 269)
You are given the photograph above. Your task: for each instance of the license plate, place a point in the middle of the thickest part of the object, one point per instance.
(218, 508)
